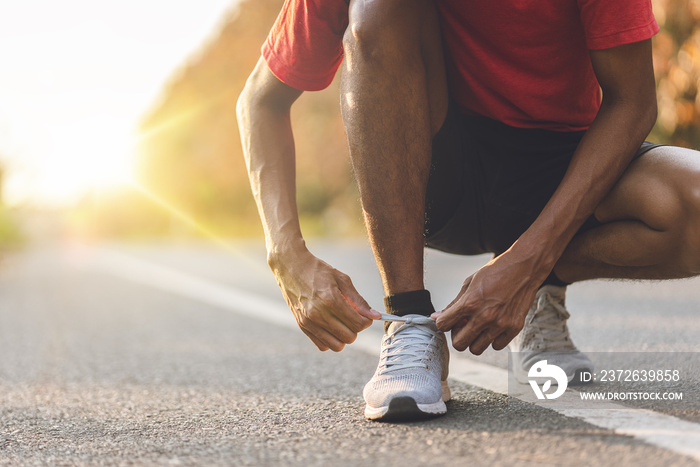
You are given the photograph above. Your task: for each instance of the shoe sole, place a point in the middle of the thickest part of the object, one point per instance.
(405, 408)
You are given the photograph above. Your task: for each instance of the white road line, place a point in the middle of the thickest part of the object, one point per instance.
(654, 428)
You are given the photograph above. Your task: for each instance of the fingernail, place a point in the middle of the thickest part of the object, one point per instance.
(436, 314)
(376, 313)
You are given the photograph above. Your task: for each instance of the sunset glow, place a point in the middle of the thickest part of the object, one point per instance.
(77, 76)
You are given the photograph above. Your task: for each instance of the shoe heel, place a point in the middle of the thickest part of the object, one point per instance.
(446, 393)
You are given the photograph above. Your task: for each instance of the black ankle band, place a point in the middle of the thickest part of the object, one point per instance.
(552, 279)
(416, 302)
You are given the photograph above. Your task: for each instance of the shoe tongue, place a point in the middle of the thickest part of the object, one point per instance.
(412, 319)
(553, 312)
(548, 319)
(550, 303)
(556, 292)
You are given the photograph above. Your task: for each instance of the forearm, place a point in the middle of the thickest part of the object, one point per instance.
(268, 146)
(271, 170)
(626, 115)
(325, 304)
(599, 161)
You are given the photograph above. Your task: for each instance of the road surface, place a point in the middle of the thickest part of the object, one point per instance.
(184, 354)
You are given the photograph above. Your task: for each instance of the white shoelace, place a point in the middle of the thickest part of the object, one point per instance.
(409, 320)
(409, 344)
(547, 326)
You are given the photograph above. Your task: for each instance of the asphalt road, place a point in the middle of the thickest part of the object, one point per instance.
(103, 368)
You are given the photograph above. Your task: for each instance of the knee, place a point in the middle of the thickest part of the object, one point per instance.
(379, 31)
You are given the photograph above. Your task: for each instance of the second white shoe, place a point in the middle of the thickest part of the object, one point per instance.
(545, 336)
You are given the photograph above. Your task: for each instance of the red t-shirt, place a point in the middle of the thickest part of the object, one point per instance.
(522, 62)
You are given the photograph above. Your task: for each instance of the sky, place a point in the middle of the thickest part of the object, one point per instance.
(75, 78)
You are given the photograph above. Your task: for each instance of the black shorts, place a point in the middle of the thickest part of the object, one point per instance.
(489, 182)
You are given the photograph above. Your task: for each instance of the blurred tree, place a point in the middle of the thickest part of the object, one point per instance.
(191, 156)
(191, 153)
(2, 185)
(677, 68)
(11, 234)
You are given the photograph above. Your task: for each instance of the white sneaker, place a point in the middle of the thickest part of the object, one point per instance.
(411, 378)
(545, 336)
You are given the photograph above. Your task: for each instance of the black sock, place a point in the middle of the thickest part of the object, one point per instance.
(552, 279)
(416, 302)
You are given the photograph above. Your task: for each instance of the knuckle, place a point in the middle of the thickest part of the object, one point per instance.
(314, 315)
(493, 315)
(503, 323)
(460, 324)
(303, 320)
(324, 298)
(492, 318)
(342, 277)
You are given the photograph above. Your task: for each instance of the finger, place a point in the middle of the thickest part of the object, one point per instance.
(504, 339)
(321, 314)
(465, 286)
(324, 317)
(343, 318)
(325, 338)
(338, 329)
(356, 318)
(351, 309)
(482, 342)
(320, 345)
(359, 304)
(320, 321)
(465, 336)
(459, 326)
(450, 316)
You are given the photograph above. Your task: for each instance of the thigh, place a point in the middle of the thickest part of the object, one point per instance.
(659, 188)
(401, 32)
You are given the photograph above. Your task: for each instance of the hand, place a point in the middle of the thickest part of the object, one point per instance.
(491, 307)
(323, 300)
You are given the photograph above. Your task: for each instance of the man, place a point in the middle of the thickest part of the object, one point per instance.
(521, 158)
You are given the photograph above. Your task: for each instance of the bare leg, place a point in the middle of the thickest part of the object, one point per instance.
(651, 223)
(393, 99)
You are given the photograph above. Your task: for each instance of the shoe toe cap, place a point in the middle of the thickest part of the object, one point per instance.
(423, 389)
